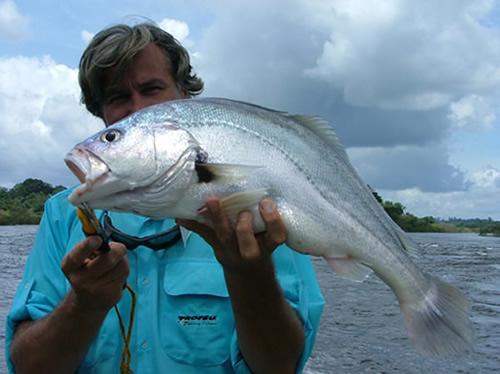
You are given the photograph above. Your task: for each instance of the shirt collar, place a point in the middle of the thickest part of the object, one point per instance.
(185, 233)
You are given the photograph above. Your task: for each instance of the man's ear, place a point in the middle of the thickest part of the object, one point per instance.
(185, 94)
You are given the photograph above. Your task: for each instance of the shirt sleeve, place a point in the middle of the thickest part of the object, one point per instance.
(43, 284)
(300, 287)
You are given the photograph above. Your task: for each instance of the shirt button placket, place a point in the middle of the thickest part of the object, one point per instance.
(144, 345)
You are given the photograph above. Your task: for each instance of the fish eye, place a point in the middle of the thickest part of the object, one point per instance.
(110, 136)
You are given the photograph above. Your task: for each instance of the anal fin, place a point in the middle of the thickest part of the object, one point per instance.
(349, 268)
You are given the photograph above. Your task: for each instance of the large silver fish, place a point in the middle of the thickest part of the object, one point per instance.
(167, 159)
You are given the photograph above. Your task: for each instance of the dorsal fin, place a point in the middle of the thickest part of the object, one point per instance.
(322, 128)
(316, 124)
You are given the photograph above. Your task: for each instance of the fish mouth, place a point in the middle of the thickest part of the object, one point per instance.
(98, 183)
(90, 170)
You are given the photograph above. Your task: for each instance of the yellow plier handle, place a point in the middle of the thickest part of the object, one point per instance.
(92, 226)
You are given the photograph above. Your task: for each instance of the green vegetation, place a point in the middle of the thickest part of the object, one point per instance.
(410, 223)
(23, 203)
(492, 228)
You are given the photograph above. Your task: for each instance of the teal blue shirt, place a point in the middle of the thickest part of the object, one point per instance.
(183, 320)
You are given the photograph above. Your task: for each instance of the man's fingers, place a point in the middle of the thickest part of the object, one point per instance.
(105, 262)
(248, 246)
(75, 259)
(276, 232)
(222, 226)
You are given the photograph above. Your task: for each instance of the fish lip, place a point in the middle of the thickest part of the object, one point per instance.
(78, 161)
(75, 164)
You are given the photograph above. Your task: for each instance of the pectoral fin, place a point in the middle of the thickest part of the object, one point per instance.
(235, 203)
(223, 172)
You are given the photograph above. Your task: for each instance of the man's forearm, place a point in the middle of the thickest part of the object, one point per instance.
(270, 334)
(58, 342)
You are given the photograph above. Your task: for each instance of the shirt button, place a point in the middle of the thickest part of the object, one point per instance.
(145, 345)
(145, 280)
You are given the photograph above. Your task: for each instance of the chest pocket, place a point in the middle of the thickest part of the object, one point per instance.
(197, 322)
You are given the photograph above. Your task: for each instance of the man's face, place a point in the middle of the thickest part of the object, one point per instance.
(148, 81)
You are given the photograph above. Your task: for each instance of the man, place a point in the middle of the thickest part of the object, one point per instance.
(232, 302)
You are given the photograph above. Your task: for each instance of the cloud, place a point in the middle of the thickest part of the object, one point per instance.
(473, 112)
(13, 25)
(179, 29)
(391, 58)
(487, 178)
(41, 119)
(405, 167)
(86, 36)
(406, 55)
(394, 78)
(480, 200)
(476, 202)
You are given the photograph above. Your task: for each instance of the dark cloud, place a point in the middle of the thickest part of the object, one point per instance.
(382, 76)
(399, 168)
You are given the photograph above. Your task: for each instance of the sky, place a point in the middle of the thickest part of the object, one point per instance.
(412, 88)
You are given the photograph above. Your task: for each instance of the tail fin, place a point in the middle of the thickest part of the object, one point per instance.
(438, 324)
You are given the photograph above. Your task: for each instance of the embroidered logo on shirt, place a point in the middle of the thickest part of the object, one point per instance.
(205, 319)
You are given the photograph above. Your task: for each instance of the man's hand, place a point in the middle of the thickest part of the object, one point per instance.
(238, 248)
(97, 278)
(270, 334)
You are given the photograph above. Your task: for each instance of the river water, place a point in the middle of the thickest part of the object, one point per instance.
(362, 329)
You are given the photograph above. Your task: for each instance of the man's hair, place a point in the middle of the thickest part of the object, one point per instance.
(116, 46)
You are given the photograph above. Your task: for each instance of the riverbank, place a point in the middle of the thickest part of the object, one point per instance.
(23, 205)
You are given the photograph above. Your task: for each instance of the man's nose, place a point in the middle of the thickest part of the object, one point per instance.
(137, 102)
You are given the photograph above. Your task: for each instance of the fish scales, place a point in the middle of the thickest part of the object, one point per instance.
(326, 166)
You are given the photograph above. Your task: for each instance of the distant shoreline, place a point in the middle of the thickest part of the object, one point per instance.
(23, 204)
(488, 234)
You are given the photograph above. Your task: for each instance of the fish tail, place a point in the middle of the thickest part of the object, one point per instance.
(438, 323)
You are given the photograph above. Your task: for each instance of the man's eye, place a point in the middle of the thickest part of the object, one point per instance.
(152, 89)
(116, 98)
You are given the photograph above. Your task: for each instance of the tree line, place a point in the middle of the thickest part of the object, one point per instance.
(23, 204)
(410, 223)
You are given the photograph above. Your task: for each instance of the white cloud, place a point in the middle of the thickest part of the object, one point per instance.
(13, 25)
(407, 55)
(475, 203)
(487, 178)
(384, 73)
(473, 112)
(179, 29)
(86, 36)
(41, 119)
(481, 200)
